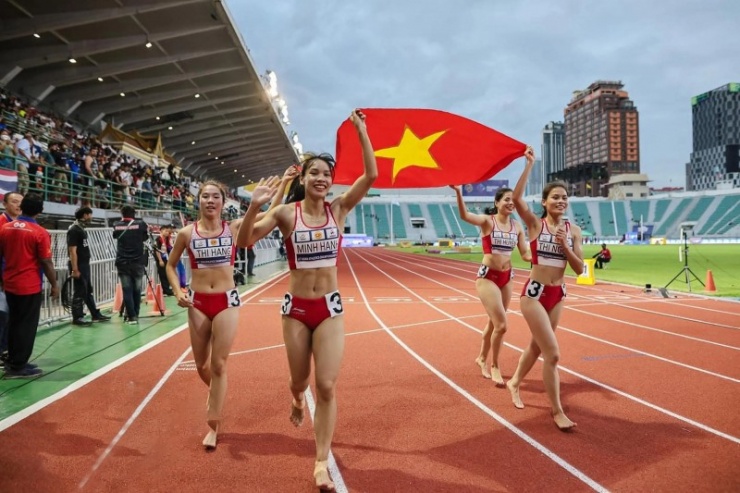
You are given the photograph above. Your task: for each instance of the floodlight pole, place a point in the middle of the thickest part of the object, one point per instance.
(686, 270)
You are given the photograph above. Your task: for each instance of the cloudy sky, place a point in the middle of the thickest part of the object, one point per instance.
(509, 64)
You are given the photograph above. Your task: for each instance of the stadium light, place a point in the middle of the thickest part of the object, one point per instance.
(296, 143)
(72, 59)
(36, 35)
(271, 82)
(100, 79)
(156, 118)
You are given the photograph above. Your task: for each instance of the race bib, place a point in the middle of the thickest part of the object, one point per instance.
(334, 303)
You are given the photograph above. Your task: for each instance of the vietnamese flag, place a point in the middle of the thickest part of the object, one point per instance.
(422, 148)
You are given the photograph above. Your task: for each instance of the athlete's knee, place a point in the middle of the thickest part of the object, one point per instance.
(551, 357)
(500, 327)
(218, 367)
(298, 385)
(325, 388)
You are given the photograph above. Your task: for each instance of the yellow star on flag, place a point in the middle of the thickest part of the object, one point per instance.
(411, 151)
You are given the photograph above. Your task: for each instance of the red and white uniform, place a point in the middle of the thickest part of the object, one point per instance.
(210, 253)
(312, 247)
(547, 251)
(500, 242)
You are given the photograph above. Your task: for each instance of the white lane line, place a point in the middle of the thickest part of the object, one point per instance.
(336, 475)
(132, 418)
(575, 373)
(518, 432)
(37, 406)
(415, 272)
(585, 312)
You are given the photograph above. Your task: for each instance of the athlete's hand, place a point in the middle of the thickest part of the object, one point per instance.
(55, 292)
(264, 191)
(529, 155)
(456, 188)
(183, 300)
(357, 118)
(561, 236)
(291, 173)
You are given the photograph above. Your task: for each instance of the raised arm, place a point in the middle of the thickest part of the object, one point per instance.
(290, 174)
(529, 217)
(252, 227)
(465, 214)
(362, 185)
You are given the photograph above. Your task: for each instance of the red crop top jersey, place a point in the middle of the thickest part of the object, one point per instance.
(501, 242)
(547, 251)
(311, 247)
(210, 253)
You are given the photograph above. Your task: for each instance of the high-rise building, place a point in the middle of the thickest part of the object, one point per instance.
(535, 184)
(601, 138)
(716, 137)
(553, 150)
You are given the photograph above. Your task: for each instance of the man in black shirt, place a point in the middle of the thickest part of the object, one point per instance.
(130, 235)
(79, 266)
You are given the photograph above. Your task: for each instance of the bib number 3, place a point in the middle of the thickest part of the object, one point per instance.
(334, 303)
(534, 289)
(233, 298)
(287, 304)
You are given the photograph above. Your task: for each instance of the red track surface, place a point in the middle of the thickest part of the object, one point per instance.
(653, 384)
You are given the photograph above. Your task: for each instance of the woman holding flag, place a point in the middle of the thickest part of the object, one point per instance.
(312, 320)
(499, 235)
(555, 243)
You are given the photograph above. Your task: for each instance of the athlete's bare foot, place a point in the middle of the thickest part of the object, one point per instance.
(515, 395)
(483, 367)
(321, 475)
(209, 442)
(496, 377)
(297, 411)
(562, 421)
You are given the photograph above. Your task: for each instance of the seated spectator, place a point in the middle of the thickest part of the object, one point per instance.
(603, 257)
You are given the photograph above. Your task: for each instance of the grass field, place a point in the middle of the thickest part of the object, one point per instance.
(651, 264)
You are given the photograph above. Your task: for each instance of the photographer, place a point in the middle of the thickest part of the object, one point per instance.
(79, 267)
(131, 235)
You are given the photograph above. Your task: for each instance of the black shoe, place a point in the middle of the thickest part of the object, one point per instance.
(81, 323)
(26, 372)
(250, 275)
(101, 318)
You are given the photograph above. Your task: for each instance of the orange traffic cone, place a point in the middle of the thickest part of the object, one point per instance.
(118, 299)
(149, 294)
(709, 286)
(158, 303)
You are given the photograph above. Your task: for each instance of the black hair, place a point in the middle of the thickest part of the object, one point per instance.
(499, 195)
(296, 191)
(80, 213)
(128, 211)
(546, 193)
(32, 205)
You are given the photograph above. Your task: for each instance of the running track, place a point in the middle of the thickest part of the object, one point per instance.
(652, 383)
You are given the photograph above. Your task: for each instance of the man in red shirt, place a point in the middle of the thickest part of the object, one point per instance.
(603, 257)
(25, 247)
(12, 203)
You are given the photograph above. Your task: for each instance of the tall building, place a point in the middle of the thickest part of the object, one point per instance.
(716, 137)
(536, 183)
(601, 138)
(553, 149)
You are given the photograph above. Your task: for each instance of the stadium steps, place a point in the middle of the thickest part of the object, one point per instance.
(701, 211)
(719, 217)
(640, 208)
(676, 212)
(382, 223)
(729, 221)
(438, 220)
(400, 219)
(608, 228)
(461, 228)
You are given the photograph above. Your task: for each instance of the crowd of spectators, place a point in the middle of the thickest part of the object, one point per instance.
(68, 166)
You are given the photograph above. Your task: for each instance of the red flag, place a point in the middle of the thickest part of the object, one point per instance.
(421, 148)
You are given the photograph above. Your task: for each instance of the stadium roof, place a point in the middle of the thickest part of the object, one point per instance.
(149, 65)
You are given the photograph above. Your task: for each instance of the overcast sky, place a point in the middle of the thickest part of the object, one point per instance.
(509, 64)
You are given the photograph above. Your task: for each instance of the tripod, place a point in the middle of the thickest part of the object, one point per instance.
(686, 270)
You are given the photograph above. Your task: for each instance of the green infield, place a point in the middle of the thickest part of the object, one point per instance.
(647, 264)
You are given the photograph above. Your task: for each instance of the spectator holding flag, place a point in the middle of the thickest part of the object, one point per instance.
(500, 234)
(313, 325)
(555, 243)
